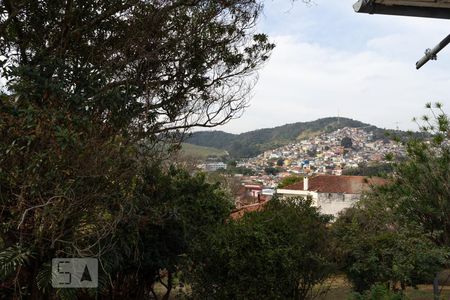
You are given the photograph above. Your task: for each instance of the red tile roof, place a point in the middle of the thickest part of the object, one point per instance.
(338, 184)
(239, 213)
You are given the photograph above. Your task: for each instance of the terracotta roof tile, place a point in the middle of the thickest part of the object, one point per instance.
(239, 213)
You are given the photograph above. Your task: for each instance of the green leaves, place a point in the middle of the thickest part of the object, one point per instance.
(280, 252)
(184, 64)
(13, 258)
(400, 233)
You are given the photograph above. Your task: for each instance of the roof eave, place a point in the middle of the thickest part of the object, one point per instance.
(371, 7)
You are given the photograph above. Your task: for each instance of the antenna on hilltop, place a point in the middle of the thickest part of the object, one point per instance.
(339, 118)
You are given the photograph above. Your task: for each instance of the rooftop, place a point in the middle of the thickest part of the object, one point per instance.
(239, 213)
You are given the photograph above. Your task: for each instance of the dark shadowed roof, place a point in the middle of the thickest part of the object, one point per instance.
(414, 8)
(338, 184)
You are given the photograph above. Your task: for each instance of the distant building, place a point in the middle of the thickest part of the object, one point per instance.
(214, 166)
(253, 190)
(267, 192)
(332, 193)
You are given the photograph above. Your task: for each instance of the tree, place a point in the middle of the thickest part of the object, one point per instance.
(400, 233)
(346, 142)
(232, 164)
(281, 252)
(374, 248)
(280, 162)
(378, 169)
(311, 152)
(421, 181)
(92, 88)
(166, 224)
(271, 171)
(289, 180)
(141, 68)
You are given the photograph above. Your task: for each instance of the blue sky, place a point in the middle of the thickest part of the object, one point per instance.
(330, 60)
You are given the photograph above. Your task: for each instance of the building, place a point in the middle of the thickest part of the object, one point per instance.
(214, 166)
(332, 193)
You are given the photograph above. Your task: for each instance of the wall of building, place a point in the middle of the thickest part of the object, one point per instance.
(329, 203)
(333, 203)
(294, 193)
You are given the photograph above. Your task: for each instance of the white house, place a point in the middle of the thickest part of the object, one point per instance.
(332, 193)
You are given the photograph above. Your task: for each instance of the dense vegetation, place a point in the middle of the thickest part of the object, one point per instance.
(96, 96)
(279, 253)
(379, 169)
(200, 152)
(398, 235)
(288, 180)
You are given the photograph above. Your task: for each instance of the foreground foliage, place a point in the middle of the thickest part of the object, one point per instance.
(379, 292)
(281, 252)
(97, 95)
(399, 234)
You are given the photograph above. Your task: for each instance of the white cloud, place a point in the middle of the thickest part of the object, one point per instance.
(375, 82)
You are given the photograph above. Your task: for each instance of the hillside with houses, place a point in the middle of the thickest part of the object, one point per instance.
(328, 153)
(253, 143)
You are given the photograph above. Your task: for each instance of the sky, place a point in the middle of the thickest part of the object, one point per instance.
(331, 61)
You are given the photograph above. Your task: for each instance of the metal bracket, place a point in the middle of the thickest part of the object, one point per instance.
(431, 54)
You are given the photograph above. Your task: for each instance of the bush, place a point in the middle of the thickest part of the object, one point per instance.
(400, 233)
(281, 252)
(378, 292)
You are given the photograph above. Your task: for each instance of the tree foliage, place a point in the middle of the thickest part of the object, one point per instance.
(171, 211)
(399, 234)
(271, 171)
(346, 142)
(375, 249)
(281, 252)
(422, 181)
(93, 90)
(289, 180)
(138, 67)
(379, 169)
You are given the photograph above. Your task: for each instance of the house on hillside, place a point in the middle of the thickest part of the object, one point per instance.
(248, 194)
(332, 193)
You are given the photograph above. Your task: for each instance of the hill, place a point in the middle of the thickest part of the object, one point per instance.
(252, 143)
(201, 152)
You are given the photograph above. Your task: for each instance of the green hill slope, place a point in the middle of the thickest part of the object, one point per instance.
(252, 143)
(201, 152)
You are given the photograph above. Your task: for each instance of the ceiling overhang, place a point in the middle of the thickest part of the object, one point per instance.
(414, 8)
